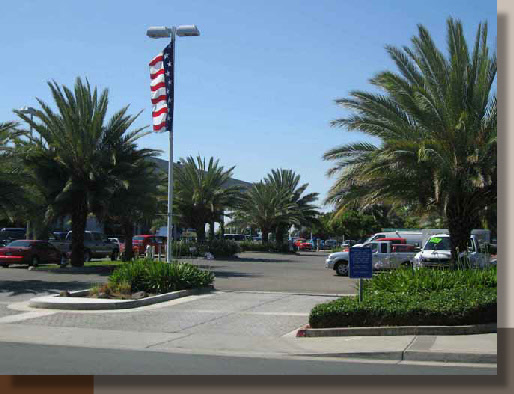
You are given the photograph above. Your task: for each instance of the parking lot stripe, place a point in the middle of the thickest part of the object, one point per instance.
(25, 316)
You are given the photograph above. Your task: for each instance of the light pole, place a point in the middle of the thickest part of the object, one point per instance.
(31, 111)
(172, 33)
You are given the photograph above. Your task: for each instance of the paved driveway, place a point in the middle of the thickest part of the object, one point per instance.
(301, 273)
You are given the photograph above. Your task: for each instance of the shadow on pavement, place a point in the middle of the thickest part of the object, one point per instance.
(260, 260)
(233, 274)
(101, 270)
(16, 288)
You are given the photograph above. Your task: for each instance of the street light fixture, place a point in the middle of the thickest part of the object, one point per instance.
(31, 111)
(171, 32)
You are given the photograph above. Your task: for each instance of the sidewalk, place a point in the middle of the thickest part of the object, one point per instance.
(481, 348)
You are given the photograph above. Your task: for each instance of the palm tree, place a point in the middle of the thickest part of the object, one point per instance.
(13, 200)
(201, 193)
(83, 148)
(275, 204)
(303, 212)
(437, 124)
(264, 207)
(137, 196)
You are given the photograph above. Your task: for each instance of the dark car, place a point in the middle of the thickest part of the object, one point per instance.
(30, 252)
(14, 232)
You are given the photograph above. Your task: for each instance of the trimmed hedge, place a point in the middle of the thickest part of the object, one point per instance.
(217, 247)
(259, 247)
(410, 298)
(157, 278)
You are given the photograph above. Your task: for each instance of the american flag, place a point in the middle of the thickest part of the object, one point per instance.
(161, 75)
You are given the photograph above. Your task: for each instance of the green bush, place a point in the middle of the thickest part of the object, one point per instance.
(259, 247)
(156, 277)
(421, 297)
(429, 280)
(218, 248)
(223, 247)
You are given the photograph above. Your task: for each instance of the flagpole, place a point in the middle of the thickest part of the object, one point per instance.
(162, 32)
(169, 246)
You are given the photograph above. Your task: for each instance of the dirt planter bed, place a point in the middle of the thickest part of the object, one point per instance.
(79, 301)
(398, 330)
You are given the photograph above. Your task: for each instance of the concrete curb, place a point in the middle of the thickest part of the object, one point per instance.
(424, 356)
(75, 303)
(400, 330)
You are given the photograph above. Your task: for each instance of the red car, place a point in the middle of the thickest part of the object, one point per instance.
(140, 242)
(304, 245)
(30, 252)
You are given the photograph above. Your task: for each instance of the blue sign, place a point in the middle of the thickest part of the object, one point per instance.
(361, 263)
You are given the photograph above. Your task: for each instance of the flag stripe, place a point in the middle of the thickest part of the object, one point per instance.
(159, 126)
(159, 93)
(159, 79)
(156, 59)
(159, 99)
(157, 67)
(158, 86)
(155, 75)
(163, 110)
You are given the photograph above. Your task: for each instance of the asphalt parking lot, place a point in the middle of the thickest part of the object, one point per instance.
(303, 273)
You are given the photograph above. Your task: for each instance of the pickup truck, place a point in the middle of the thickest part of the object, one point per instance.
(385, 255)
(95, 246)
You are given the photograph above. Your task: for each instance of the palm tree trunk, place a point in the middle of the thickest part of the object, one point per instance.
(78, 227)
(128, 230)
(461, 220)
(200, 232)
(211, 230)
(279, 235)
(265, 232)
(222, 227)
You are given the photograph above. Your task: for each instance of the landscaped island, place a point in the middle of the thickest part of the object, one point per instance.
(147, 277)
(423, 297)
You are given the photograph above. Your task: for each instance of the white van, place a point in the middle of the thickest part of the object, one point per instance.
(413, 237)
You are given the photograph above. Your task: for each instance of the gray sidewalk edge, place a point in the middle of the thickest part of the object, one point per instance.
(400, 330)
(425, 356)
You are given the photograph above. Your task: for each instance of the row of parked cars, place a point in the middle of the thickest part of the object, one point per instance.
(427, 248)
(57, 250)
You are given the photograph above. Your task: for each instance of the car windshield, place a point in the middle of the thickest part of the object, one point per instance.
(138, 238)
(438, 243)
(20, 244)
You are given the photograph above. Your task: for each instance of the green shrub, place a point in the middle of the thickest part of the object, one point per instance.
(158, 277)
(218, 248)
(428, 280)
(268, 247)
(223, 247)
(421, 297)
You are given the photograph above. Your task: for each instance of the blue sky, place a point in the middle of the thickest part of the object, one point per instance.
(255, 90)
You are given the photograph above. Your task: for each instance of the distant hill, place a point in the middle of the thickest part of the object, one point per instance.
(163, 166)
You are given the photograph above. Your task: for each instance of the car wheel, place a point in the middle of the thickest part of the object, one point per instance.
(114, 255)
(87, 256)
(341, 269)
(407, 264)
(35, 261)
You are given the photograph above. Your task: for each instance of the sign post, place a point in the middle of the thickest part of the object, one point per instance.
(361, 266)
